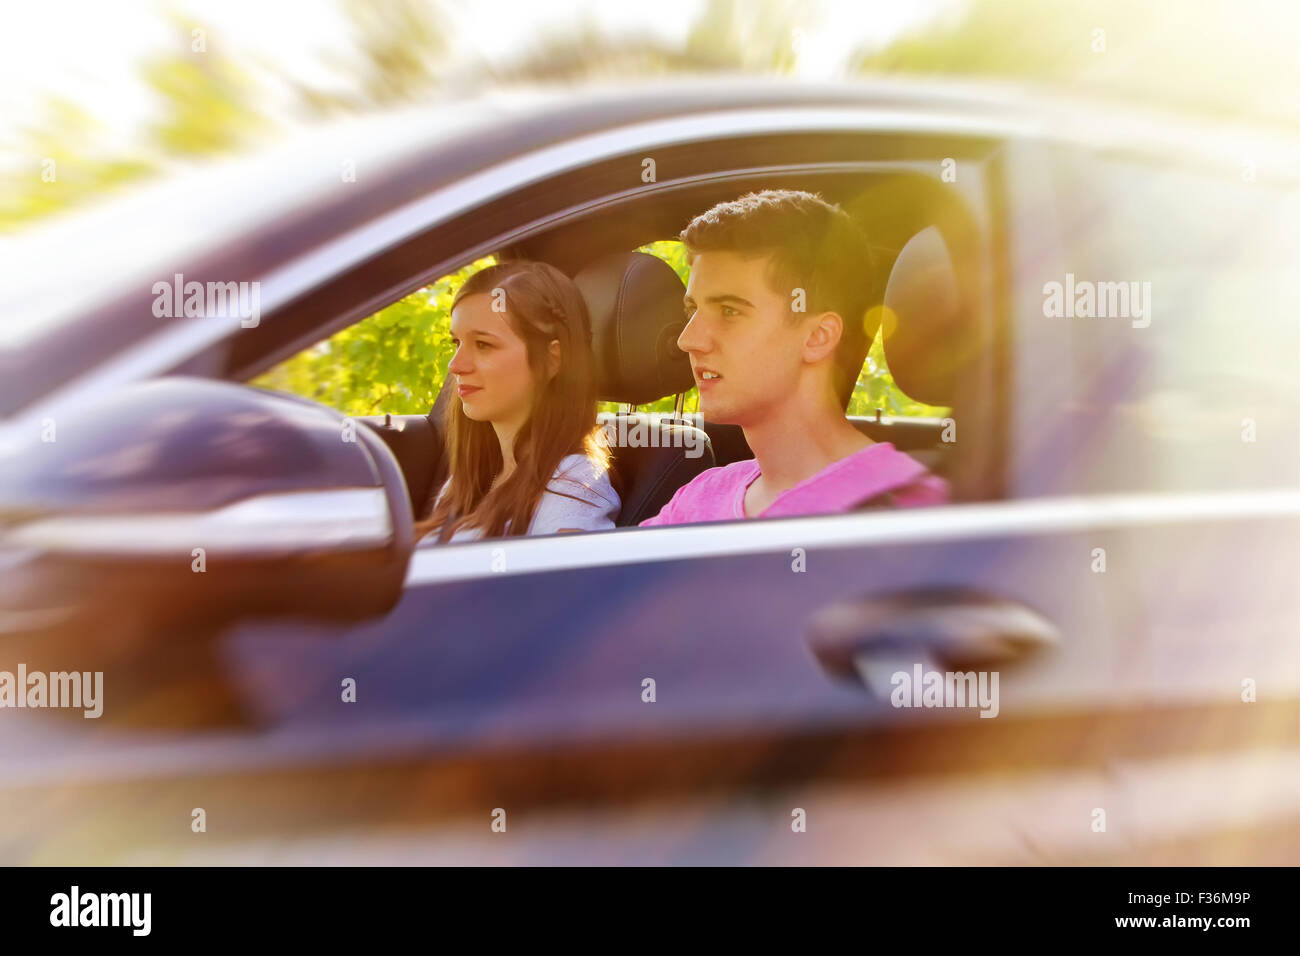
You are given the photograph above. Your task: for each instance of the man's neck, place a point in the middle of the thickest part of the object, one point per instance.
(799, 442)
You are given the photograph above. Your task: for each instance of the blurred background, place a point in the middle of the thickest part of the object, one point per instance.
(98, 99)
(118, 93)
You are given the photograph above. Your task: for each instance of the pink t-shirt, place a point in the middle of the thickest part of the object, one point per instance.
(719, 493)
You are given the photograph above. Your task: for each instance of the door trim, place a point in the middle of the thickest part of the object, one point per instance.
(1058, 515)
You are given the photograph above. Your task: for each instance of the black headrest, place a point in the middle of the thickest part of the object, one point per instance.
(926, 337)
(635, 301)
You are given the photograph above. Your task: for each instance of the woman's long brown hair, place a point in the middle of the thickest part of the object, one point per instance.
(541, 304)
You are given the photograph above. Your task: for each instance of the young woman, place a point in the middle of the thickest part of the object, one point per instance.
(525, 451)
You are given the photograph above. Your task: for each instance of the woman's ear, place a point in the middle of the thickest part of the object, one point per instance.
(553, 359)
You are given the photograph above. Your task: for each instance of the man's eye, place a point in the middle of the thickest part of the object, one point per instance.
(729, 311)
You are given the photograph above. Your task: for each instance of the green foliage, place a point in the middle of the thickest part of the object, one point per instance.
(67, 136)
(751, 37)
(876, 390)
(207, 105)
(400, 43)
(672, 252)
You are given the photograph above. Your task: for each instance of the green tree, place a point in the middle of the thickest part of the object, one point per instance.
(207, 106)
(63, 170)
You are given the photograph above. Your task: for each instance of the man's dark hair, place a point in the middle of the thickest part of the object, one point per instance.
(815, 246)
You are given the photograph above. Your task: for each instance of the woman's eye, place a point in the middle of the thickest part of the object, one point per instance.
(483, 345)
(729, 311)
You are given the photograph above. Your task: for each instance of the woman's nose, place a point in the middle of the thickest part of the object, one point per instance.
(458, 365)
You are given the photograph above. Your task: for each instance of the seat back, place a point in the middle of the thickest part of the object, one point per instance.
(416, 441)
(654, 455)
(926, 325)
(936, 351)
(635, 303)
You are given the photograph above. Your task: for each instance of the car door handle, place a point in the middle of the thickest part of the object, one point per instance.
(869, 638)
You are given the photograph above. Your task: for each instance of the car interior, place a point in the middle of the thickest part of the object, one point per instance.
(928, 257)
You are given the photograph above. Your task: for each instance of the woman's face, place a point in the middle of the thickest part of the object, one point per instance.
(493, 379)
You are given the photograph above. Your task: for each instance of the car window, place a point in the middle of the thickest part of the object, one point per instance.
(394, 362)
(1196, 386)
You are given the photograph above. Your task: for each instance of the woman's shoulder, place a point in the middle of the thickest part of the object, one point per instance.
(579, 497)
(577, 462)
(580, 469)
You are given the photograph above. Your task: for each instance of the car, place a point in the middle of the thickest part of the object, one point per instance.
(288, 679)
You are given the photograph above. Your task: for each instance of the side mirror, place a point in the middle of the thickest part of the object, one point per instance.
(185, 504)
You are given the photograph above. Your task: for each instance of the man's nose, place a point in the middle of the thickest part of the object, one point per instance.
(694, 337)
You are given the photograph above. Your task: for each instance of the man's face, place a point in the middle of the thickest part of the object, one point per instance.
(741, 330)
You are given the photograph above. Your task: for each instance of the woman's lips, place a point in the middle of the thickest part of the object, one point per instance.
(463, 390)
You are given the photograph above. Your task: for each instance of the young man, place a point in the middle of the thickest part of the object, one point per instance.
(775, 307)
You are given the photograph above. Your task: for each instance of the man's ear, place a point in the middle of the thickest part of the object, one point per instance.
(553, 359)
(823, 337)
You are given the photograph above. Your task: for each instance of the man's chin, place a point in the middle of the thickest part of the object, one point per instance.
(719, 415)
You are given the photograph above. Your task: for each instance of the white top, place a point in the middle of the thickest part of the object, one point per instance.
(597, 506)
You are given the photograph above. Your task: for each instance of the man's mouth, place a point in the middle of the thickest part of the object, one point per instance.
(706, 375)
